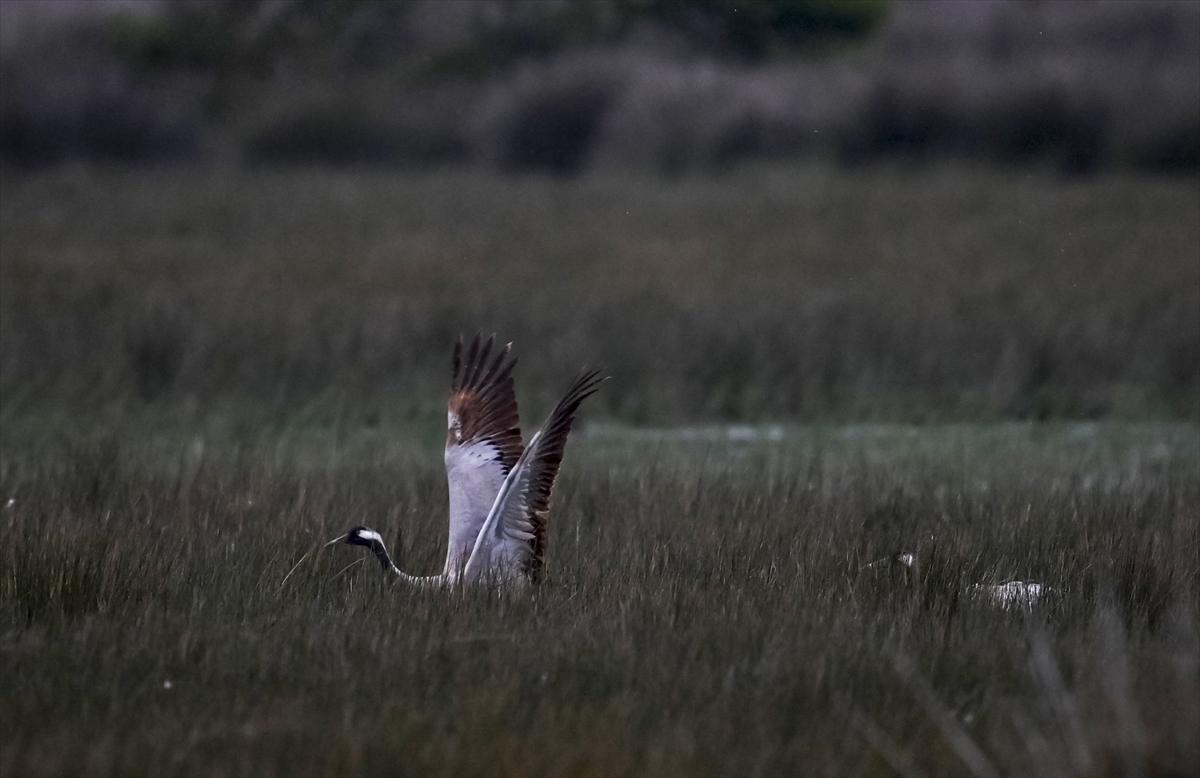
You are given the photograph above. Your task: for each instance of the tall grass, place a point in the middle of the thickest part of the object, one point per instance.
(168, 608)
(800, 292)
(204, 376)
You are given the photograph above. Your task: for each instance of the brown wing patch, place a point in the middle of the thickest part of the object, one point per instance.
(483, 404)
(551, 444)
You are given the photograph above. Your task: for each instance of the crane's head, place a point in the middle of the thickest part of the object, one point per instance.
(359, 536)
(368, 538)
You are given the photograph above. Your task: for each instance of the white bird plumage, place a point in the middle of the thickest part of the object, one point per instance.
(1010, 595)
(499, 489)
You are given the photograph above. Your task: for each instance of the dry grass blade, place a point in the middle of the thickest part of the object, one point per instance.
(883, 745)
(1113, 663)
(298, 563)
(342, 572)
(1066, 709)
(958, 738)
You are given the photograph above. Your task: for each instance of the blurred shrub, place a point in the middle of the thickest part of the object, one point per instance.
(756, 27)
(675, 118)
(1015, 121)
(549, 117)
(65, 97)
(186, 37)
(260, 38)
(340, 130)
(1116, 85)
(630, 109)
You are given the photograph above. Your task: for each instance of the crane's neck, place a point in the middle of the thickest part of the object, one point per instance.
(419, 581)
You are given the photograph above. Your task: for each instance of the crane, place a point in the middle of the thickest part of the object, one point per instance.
(499, 488)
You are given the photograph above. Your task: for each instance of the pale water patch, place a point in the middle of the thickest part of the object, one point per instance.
(1152, 439)
(734, 433)
(1105, 456)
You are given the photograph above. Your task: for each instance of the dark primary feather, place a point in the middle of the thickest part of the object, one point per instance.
(549, 456)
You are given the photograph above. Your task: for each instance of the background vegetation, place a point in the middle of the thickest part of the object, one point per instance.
(205, 376)
(785, 293)
(868, 277)
(567, 86)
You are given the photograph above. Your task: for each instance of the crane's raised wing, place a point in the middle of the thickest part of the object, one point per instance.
(513, 537)
(483, 441)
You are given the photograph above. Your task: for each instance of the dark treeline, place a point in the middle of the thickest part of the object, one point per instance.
(569, 86)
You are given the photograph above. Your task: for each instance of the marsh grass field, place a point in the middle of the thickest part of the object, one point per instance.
(205, 376)
(705, 609)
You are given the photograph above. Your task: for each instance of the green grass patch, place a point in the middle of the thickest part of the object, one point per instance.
(803, 293)
(706, 607)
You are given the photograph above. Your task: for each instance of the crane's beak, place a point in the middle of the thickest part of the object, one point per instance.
(338, 539)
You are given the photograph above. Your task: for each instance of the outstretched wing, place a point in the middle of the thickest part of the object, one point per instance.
(513, 538)
(483, 440)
